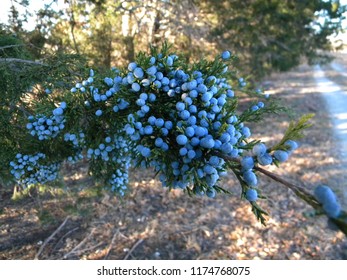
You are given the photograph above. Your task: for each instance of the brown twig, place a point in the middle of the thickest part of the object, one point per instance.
(74, 250)
(9, 60)
(299, 191)
(11, 46)
(78, 252)
(133, 248)
(66, 234)
(340, 221)
(109, 248)
(50, 237)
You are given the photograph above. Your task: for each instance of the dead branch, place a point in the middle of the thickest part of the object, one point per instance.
(13, 60)
(133, 248)
(109, 248)
(76, 248)
(11, 46)
(62, 238)
(50, 238)
(79, 252)
(299, 191)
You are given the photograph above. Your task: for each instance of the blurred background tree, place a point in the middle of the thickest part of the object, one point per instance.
(267, 35)
(271, 35)
(25, 82)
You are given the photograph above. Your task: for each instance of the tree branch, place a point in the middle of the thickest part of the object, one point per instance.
(11, 46)
(12, 60)
(50, 237)
(340, 221)
(299, 191)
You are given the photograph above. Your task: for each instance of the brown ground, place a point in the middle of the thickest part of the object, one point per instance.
(155, 224)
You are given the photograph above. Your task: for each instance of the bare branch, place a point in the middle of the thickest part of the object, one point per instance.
(11, 46)
(62, 238)
(133, 248)
(14, 60)
(50, 238)
(299, 191)
(109, 248)
(79, 245)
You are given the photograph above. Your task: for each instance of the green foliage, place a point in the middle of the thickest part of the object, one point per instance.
(22, 90)
(294, 132)
(275, 35)
(268, 35)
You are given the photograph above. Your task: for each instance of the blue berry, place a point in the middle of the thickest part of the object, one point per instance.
(159, 142)
(259, 149)
(159, 122)
(144, 96)
(58, 111)
(152, 70)
(247, 162)
(180, 106)
(324, 194)
(190, 131)
(145, 82)
(181, 139)
(260, 104)
(191, 154)
(202, 88)
(138, 72)
(152, 60)
(168, 125)
(140, 102)
(333, 210)
(265, 159)
(226, 55)
(132, 66)
(184, 115)
(183, 151)
(251, 195)
(135, 87)
(164, 131)
(210, 193)
(146, 152)
(281, 156)
(207, 143)
(246, 132)
(151, 120)
(292, 145)
(148, 130)
(152, 97)
(169, 61)
(230, 93)
(250, 178)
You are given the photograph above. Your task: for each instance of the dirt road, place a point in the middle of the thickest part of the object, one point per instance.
(331, 83)
(336, 99)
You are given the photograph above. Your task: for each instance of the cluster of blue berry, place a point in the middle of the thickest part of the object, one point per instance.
(78, 143)
(114, 151)
(181, 122)
(262, 156)
(172, 118)
(28, 171)
(44, 127)
(121, 163)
